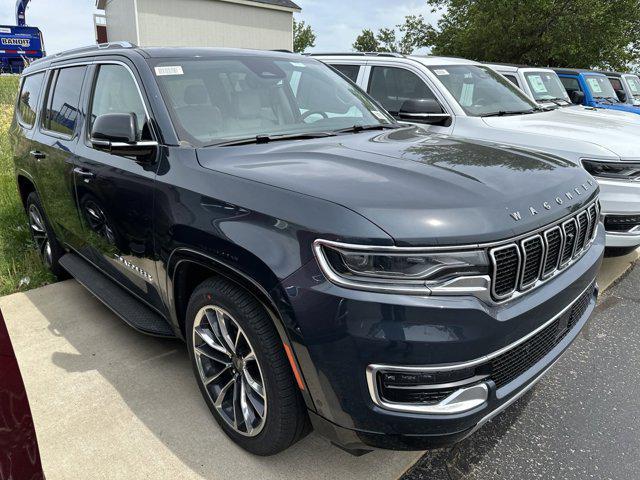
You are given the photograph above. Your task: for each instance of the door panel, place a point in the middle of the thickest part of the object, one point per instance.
(54, 143)
(115, 193)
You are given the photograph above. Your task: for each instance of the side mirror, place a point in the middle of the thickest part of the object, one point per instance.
(622, 95)
(426, 110)
(576, 96)
(116, 133)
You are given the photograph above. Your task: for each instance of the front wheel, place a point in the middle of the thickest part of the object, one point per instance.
(242, 370)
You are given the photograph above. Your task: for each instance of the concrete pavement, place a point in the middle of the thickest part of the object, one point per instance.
(111, 403)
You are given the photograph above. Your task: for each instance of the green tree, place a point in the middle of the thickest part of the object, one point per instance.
(303, 37)
(575, 33)
(389, 40)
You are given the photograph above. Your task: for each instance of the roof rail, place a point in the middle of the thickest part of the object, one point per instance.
(357, 54)
(91, 48)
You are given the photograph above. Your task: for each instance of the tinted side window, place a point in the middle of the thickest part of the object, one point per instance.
(349, 71)
(115, 91)
(512, 79)
(28, 100)
(570, 84)
(616, 83)
(61, 114)
(392, 86)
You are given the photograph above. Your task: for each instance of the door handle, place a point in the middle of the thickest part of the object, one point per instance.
(83, 173)
(37, 154)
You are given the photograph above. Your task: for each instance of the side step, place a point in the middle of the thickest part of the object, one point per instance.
(135, 313)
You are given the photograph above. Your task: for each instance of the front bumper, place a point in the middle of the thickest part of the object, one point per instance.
(620, 198)
(340, 333)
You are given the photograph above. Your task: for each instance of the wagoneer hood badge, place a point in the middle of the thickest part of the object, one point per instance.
(559, 200)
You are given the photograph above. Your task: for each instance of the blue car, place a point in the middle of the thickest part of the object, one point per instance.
(589, 88)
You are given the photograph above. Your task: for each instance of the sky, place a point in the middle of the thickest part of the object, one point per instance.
(68, 24)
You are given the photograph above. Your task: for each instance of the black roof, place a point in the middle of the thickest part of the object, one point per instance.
(574, 71)
(609, 73)
(279, 3)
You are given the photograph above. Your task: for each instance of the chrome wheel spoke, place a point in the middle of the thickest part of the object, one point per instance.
(247, 415)
(207, 337)
(255, 386)
(212, 354)
(256, 403)
(217, 375)
(223, 393)
(222, 323)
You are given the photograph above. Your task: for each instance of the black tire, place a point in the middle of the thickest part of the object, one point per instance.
(611, 252)
(286, 420)
(43, 236)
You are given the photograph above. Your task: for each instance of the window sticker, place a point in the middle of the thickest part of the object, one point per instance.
(634, 85)
(466, 97)
(537, 84)
(440, 72)
(594, 84)
(298, 65)
(378, 115)
(170, 70)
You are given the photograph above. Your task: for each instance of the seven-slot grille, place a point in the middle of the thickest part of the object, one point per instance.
(519, 266)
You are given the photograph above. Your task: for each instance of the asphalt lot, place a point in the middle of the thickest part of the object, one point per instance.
(111, 403)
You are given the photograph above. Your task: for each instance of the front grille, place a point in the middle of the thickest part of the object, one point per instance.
(507, 367)
(519, 266)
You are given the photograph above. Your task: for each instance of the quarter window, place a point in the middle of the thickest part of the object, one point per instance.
(349, 71)
(512, 79)
(61, 114)
(28, 100)
(116, 91)
(571, 84)
(616, 83)
(393, 86)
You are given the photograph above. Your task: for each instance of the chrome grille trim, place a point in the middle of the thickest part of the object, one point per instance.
(576, 235)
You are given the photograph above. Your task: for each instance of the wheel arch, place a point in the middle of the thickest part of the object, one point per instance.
(187, 268)
(26, 185)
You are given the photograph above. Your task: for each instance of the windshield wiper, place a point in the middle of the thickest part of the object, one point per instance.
(502, 113)
(611, 100)
(272, 138)
(362, 128)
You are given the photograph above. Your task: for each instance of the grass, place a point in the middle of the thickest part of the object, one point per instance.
(20, 265)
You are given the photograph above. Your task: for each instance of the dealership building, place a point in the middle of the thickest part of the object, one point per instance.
(262, 24)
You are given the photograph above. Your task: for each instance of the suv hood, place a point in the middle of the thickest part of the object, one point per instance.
(421, 189)
(618, 135)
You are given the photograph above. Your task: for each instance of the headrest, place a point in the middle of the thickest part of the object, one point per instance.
(196, 95)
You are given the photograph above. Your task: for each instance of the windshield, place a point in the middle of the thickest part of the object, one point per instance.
(217, 100)
(546, 86)
(480, 91)
(600, 88)
(634, 85)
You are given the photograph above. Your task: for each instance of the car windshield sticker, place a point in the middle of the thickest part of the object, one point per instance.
(466, 97)
(5, 30)
(537, 84)
(634, 84)
(441, 71)
(378, 115)
(595, 85)
(298, 65)
(169, 70)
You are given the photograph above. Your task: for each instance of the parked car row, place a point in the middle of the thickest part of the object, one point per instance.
(328, 264)
(471, 100)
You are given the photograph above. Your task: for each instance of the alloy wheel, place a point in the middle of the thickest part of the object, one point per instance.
(229, 370)
(40, 235)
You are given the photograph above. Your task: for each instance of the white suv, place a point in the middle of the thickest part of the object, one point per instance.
(467, 99)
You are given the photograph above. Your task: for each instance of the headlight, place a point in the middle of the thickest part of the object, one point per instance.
(614, 170)
(396, 270)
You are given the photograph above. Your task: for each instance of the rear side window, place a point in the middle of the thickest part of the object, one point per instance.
(349, 71)
(28, 100)
(393, 86)
(61, 114)
(115, 91)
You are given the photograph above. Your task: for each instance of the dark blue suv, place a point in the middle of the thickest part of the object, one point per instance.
(326, 266)
(586, 87)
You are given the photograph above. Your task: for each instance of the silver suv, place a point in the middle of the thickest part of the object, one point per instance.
(467, 99)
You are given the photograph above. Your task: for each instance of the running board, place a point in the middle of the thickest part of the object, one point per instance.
(134, 312)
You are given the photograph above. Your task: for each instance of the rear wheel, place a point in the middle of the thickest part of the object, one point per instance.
(242, 370)
(48, 246)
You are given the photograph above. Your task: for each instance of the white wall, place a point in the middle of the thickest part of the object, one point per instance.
(212, 23)
(121, 20)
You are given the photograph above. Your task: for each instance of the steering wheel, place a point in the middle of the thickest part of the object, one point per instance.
(306, 115)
